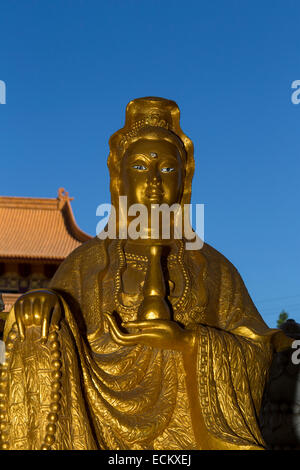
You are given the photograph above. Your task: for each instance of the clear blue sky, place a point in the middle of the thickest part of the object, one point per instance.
(71, 66)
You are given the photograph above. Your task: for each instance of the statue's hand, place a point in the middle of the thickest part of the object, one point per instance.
(163, 334)
(38, 307)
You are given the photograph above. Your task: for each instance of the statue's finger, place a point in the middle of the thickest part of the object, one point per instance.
(114, 327)
(26, 311)
(37, 311)
(112, 321)
(46, 315)
(120, 341)
(123, 338)
(109, 318)
(151, 324)
(146, 338)
(134, 338)
(19, 319)
(56, 315)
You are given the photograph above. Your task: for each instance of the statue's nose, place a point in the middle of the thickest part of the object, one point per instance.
(154, 177)
(156, 181)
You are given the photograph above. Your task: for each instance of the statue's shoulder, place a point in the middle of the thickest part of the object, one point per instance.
(79, 263)
(93, 247)
(83, 257)
(90, 248)
(229, 298)
(216, 260)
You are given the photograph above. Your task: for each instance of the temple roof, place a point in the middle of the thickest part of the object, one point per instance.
(43, 229)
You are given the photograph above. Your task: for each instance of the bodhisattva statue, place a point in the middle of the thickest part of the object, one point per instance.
(138, 343)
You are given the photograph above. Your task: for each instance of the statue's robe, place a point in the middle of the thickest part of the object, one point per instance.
(138, 397)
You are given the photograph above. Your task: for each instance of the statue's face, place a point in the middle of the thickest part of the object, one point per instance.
(152, 172)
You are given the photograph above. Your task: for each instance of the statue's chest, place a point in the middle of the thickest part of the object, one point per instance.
(133, 278)
(121, 287)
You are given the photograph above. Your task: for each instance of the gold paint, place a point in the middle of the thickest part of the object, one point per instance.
(138, 344)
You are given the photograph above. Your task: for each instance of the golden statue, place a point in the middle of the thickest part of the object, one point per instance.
(138, 343)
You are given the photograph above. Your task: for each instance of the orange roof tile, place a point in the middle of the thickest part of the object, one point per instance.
(33, 228)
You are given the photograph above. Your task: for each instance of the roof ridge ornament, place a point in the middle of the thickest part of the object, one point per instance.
(63, 197)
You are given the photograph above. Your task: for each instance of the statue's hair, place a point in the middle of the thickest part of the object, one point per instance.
(152, 133)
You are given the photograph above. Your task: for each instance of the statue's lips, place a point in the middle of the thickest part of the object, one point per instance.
(155, 196)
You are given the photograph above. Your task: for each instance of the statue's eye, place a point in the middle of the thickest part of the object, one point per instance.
(167, 170)
(139, 167)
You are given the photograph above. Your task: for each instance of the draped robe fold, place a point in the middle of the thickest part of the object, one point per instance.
(138, 397)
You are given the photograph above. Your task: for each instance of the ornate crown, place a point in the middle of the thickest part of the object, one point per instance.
(153, 120)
